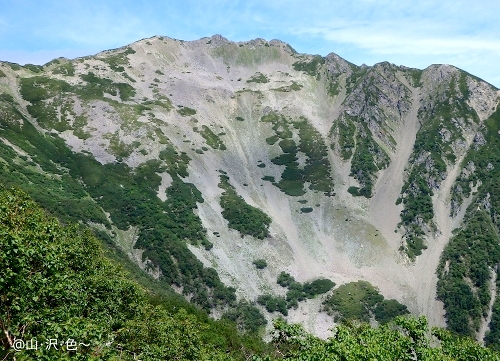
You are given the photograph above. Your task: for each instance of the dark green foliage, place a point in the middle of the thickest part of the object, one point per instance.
(368, 159)
(432, 150)
(269, 178)
(415, 75)
(86, 188)
(59, 285)
(2, 74)
(310, 67)
(117, 61)
(177, 162)
(493, 335)
(317, 287)
(288, 88)
(471, 255)
(273, 304)
(306, 210)
(333, 88)
(247, 317)
(386, 310)
(241, 216)
(299, 292)
(260, 263)
(96, 88)
(288, 146)
(186, 111)
(317, 168)
(285, 279)
(212, 139)
(261, 165)
(38, 88)
(404, 339)
(346, 130)
(358, 300)
(67, 69)
(240, 119)
(33, 68)
(14, 66)
(258, 78)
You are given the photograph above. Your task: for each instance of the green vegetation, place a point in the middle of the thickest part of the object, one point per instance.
(431, 153)
(240, 119)
(96, 87)
(2, 74)
(212, 139)
(288, 88)
(239, 54)
(405, 339)
(471, 256)
(310, 66)
(33, 68)
(260, 263)
(77, 188)
(333, 88)
(60, 285)
(465, 273)
(186, 111)
(346, 130)
(117, 61)
(241, 216)
(13, 66)
(273, 304)
(415, 75)
(359, 300)
(306, 210)
(299, 292)
(258, 78)
(368, 159)
(316, 170)
(358, 73)
(66, 69)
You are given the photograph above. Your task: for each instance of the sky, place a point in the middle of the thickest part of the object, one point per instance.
(414, 33)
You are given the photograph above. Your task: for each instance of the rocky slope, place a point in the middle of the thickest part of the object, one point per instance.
(209, 155)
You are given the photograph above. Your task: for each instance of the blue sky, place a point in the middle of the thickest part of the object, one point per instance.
(412, 33)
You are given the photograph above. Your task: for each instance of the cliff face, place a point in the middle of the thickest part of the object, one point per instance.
(199, 158)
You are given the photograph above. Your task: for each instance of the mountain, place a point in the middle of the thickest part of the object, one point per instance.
(244, 170)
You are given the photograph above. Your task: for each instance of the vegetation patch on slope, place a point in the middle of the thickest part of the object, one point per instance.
(213, 140)
(244, 218)
(361, 301)
(317, 168)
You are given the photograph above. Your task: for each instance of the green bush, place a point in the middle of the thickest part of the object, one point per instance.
(260, 263)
